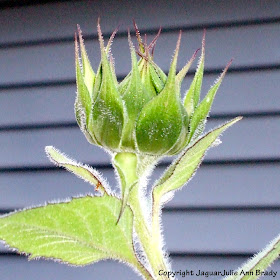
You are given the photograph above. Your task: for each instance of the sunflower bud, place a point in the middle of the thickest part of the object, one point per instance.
(144, 112)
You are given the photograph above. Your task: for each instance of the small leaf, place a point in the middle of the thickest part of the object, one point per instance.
(82, 171)
(202, 111)
(78, 232)
(139, 39)
(259, 263)
(193, 94)
(183, 168)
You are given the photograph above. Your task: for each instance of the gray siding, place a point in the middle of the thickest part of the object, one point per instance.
(230, 209)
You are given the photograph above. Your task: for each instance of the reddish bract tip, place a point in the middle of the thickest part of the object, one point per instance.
(100, 36)
(154, 41)
(129, 39)
(110, 41)
(195, 53)
(138, 36)
(80, 37)
(113, 35)
(178, 44)
(76, 46)
(228, 65)
(226, 69)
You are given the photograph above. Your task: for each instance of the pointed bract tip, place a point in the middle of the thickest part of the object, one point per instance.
(204, 35)
(154, 41)
(128, 34)
(48, 148)
(226, 68)
(135, 26)
(195, 54)
(82, 46)
(129, 39)
(76, 47)
(100, 36)
(110, 42)
(235, 120)
(138, 36)
(175, 57)
(78, 28)
(230, 62)
(181, 75)
(178, 43)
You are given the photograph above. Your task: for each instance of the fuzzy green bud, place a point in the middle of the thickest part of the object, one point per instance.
(144, 113)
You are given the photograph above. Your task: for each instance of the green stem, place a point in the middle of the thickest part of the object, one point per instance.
(127, 169)
(156, 236)
(152, 251)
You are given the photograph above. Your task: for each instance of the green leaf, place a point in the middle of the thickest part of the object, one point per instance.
(183, 168)
(85, 172)
(193, 94)
(259, 263)
(78, 232)
(202, 111)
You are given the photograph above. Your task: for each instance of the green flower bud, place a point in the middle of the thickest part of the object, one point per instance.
(144, 113)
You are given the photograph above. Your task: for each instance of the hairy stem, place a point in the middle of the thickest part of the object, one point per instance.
(156, 212)
(152, 251)
(126, 165)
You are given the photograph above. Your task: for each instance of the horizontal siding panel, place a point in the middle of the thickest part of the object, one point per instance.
(55, 62)
(250, 138)
(18, 190)
(60, 19)
(21, 268)
(239, 92)
(243, 92)
(247, 139)
(219, 232)
(212, 186)
(227, 185)
(37, 105)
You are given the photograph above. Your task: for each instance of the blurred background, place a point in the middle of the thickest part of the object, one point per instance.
(230, 210)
